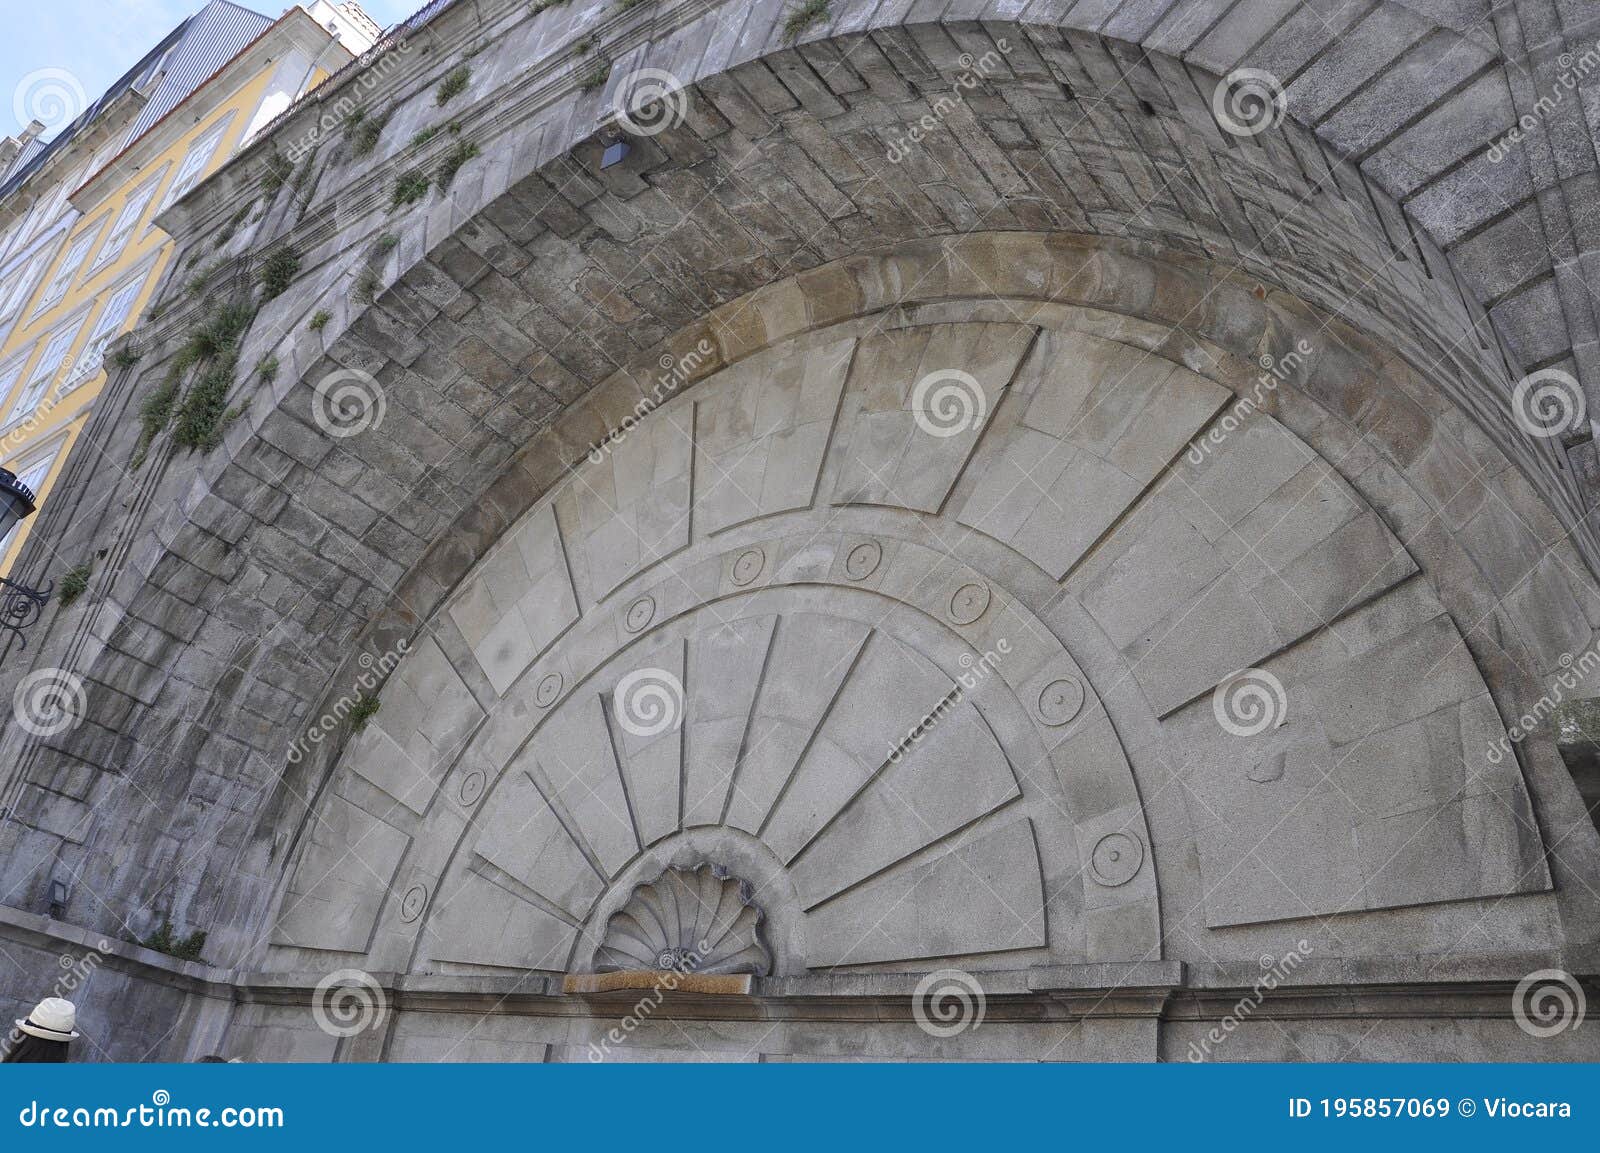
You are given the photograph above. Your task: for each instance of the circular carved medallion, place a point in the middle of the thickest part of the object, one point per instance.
(640, 613)
(472, 785)
(1116, 859)
(748, 566)
(548, 689)
(863, 560)
(412, 904)
(969, 603)
(1060, 700)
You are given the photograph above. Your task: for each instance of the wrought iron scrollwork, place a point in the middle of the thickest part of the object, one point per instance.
(20, 606)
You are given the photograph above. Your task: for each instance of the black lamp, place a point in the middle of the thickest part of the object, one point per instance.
(16, 502)
(19, 604)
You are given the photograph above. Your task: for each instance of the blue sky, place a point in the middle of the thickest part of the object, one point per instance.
(89, 43)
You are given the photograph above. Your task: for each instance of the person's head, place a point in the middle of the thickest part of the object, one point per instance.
(43, 1035)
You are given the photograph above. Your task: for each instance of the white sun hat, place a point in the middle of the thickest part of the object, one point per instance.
(52, 1019)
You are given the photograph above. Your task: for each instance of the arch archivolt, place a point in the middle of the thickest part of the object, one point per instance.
(941, 681)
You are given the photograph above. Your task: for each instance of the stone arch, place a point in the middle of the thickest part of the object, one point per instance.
(205, 621)
(536, 611)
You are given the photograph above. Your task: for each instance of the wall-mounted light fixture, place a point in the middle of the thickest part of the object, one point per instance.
(19, 604)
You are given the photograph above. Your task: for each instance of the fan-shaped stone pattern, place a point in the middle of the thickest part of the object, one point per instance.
(631, 507)
(518, 601)
(919, 400)
(336, 895)
(943, 782)
(650, 753)
(1240, 550)
(1385, 785)
(698, 920)
(812, 656)
(726, 666)
(982, 894)
(761, 430)
(1094, 421)
(425, 715)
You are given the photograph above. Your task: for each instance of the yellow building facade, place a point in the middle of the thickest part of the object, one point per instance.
(80, 254)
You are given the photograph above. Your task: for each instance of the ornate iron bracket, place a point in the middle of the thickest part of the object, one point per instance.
(20, 606)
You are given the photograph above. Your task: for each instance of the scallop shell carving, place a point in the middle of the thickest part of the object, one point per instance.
(699, 920)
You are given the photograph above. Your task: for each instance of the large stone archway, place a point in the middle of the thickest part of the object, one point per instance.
(1115, 273)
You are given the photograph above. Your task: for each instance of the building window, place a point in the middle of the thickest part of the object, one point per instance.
(12, 301)
(64, 274)
(53, 360)
(195, 163)
(127, 220)
(106, 330)
(8, 376)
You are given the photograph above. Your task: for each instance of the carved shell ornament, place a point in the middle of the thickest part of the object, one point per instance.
(699, 920)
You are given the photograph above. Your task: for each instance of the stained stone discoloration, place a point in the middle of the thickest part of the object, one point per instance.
(1082, 239)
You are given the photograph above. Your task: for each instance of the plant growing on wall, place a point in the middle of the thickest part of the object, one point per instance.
(409, 187)
(74, 583)
(803, 15)
(165, 940)
(452, 85)
(463, 151)
(278, 271)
